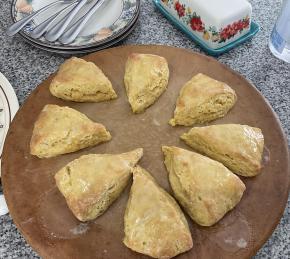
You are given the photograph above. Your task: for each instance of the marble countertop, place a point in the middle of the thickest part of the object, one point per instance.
(26, 67)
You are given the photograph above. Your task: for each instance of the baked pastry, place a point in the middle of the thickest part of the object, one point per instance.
(60, 130)
(91, 183)
(202, 99)
(81, 81)
(154, 223)
(146, 78)
(205, 188)
(239, 147)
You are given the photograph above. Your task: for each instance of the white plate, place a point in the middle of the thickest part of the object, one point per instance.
(3, 206)
(8, 107)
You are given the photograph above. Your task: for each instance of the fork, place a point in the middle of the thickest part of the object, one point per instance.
(57, 30)
(70, 34)
(17, 26)
(42, 28)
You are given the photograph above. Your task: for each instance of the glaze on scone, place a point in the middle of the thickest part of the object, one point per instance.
(239, 147)
(146, 78)
(154, 223)
(205, 188)
(201, 100)
(91, 183)
(81, 81)
(60, 130)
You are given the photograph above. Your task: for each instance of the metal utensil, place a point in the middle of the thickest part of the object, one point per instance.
(42, 28)
(16, 27)
(56, 31)
(70, 34)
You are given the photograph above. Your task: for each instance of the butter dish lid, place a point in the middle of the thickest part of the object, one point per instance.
(223, 8)
(221, 12)
(199, 33)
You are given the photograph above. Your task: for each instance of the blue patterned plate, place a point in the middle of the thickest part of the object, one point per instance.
(66, 52)
(213, 52)
(109, 22)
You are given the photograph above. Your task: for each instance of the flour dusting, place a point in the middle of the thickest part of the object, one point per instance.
(242, 243)
(80, 229)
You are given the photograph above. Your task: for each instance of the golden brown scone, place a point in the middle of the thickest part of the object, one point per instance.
(239, 147)
(91, 183)
(202, 99)
(60, 130)
(146, 78)
(81, 81)
(154, 223)
(205, 188)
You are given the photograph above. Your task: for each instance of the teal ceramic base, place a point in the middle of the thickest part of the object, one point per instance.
(213, 52)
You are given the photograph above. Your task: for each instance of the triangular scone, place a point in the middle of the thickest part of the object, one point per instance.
(60, 130)
(92, 182)
(154, 223)
(146, 78)
(239, 147)
(81, 81)
(205, 188)
(202, 99)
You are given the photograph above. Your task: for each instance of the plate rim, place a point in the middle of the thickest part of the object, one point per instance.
(63, 47)
(12, 102)
(87, 51)
(273, 225)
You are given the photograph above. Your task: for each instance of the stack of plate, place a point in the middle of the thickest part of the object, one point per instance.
(111, 23)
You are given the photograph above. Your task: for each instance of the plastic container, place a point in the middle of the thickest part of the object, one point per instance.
(280, 38)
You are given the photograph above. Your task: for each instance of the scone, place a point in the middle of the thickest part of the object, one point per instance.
(60, 130)
(239, 147)
(146, 78)
(205, 188)
(201, 100)
(81, 81)
(91, 183)
(154, 223)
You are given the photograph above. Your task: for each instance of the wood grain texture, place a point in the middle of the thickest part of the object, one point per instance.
(41, 214)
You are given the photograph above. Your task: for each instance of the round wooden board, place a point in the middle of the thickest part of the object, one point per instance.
(40, 211)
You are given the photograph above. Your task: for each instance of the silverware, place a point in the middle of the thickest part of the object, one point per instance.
(39, 30)
(56, 31)
(70, 34)
(16, 27)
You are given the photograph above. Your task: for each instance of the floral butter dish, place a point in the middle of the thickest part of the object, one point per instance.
(217, 26)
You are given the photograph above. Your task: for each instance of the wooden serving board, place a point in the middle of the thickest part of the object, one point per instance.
(41, 214)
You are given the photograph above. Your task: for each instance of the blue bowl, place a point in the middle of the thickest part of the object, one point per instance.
(213, 52)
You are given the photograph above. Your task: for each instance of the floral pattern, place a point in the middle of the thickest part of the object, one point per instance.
(195, 22)
(24, 6)
(103, 34)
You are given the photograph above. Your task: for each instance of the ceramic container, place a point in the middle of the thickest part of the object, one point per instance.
(216, 23)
